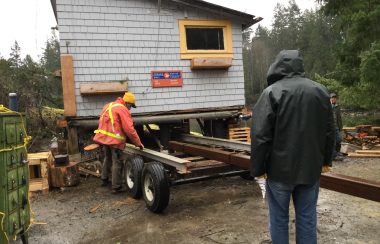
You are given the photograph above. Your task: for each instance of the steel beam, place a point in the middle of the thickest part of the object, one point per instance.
(236, 145)
(229, 157)
(207, 177)
(351, 185)
(178, 163)
(172, 118)
(340, 183)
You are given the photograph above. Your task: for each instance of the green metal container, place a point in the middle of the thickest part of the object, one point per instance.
(14, 178)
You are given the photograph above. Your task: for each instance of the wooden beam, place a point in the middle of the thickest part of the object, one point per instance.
(368, 152)
(68, 85)
(351, 185)
(341, 183)
(96, 88)
(211, 63)
(73, 145)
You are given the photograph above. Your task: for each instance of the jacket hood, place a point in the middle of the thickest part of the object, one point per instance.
(288, 63)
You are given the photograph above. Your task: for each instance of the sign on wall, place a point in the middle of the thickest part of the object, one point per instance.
(166, 78)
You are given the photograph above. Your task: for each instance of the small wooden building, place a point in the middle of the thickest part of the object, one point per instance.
(177, 56)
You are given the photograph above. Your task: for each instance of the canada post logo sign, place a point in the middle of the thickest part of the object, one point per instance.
(166, 78)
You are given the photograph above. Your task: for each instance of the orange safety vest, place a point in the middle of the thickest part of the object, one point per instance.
(110, 114)
(115, 124)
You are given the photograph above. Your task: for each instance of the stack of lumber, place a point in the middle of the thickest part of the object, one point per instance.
(240, 134)
(365, 154)
(39, 164)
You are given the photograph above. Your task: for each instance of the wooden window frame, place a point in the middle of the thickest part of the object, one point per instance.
(227, 38)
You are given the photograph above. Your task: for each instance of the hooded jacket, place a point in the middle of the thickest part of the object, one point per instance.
(293, 127)
(115, 124)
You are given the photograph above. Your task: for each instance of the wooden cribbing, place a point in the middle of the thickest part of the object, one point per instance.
(240, 134)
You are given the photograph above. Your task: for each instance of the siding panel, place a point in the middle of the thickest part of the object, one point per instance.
(124, 40)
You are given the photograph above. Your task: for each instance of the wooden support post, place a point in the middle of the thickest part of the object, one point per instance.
(72, 146)
(68, 85)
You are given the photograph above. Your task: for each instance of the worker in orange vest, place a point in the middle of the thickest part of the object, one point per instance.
(115, 124)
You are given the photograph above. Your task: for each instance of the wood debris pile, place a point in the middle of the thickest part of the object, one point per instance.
(366, 138)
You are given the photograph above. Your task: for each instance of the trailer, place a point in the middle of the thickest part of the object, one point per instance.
(150, 174)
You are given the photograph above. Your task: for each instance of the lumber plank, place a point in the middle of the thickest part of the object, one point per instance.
(349, 128)
(211, 63)
(193, 158)
(68, 85)
(204, 163)
(368, 151)
(96, 88)
(357, 155)
(37, 184)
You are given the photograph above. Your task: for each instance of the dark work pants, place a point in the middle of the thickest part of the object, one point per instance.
(112, 164)
(338, 141)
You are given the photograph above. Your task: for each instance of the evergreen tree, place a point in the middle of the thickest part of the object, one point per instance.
(286, 26)
(358, 21)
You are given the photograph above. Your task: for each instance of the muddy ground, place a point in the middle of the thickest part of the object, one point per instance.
(229, 210)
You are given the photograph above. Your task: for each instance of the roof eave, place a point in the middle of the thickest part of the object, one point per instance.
(247, 19)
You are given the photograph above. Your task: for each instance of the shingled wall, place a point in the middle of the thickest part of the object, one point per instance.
(113, 40)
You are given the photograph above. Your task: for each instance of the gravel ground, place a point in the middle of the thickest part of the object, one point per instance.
(229, 210)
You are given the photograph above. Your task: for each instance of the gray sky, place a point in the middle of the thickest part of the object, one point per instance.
(30, 21)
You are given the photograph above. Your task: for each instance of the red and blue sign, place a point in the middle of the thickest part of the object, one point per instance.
(166, 78)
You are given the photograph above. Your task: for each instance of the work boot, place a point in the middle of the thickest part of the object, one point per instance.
(104, 183)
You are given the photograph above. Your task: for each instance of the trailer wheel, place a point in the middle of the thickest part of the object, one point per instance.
(133, 169)
(155, 186)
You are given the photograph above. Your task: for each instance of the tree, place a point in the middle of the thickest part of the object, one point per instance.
(50, 62)
(256, 55)
(286, 26)
(51, 55)
(358, 22)
(317, 42)
(15, 55)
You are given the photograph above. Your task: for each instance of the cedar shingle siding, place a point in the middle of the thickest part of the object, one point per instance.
(113, 40)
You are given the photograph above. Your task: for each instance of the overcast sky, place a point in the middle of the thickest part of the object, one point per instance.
(30, 21)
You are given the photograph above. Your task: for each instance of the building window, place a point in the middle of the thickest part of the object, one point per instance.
(205, 38)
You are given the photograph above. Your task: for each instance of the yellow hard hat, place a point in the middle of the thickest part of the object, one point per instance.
(130, 98)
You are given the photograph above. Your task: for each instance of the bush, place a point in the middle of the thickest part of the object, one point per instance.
(351, 119)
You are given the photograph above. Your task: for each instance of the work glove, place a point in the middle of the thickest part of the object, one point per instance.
(326, 169)
(264, 176)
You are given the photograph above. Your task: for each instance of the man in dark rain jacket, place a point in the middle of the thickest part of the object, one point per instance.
(292, 138)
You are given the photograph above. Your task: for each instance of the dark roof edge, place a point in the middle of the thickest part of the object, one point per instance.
(248, 19)
(54, 6)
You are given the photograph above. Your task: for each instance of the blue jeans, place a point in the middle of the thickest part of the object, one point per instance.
(305, 203)
(338, 141)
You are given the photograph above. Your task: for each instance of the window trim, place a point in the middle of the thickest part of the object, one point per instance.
(227, 38)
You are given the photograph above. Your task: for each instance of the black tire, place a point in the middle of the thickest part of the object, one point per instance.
(247, 176)
(155, 187)
(133, 170)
